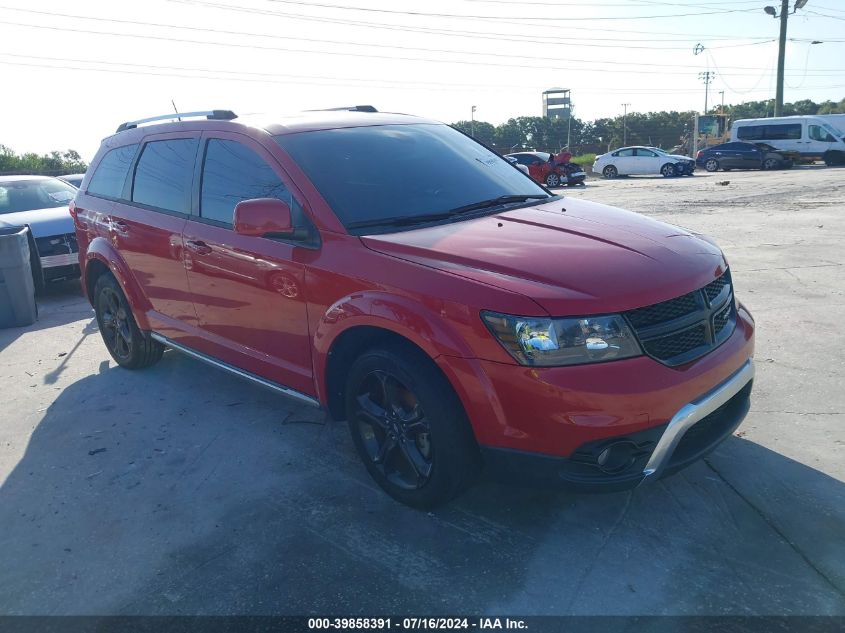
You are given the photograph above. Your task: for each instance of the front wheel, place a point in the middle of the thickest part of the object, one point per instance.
(711, 165)
(668, 170)
(409, 427)
(128, 346)
(610, 172)
(771, 163)
(553, 180)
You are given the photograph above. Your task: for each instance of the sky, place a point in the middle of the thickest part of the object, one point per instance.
(72, 71)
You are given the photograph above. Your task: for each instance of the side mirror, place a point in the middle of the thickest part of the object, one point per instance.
(262, 217)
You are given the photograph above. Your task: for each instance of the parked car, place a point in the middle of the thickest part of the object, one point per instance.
(813, 137)
(545, 171)
(640, 160)
(41, 203)
(457, 319)
(73, 179)
(518, 165)
(737, 155)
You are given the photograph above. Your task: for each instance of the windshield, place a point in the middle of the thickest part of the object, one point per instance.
(658, 150)
(400, 172)
(26, 195)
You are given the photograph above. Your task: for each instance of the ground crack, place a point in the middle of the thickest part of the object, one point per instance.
(777, 531)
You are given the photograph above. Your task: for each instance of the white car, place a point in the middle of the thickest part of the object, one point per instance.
(642, 160)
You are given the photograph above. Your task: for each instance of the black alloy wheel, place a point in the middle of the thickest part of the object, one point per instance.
(409, 426)
(129, 347)
(394, 430)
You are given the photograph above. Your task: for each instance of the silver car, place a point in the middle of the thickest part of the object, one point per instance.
(41, 203)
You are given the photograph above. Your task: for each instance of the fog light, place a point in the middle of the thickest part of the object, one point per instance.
(616, 457)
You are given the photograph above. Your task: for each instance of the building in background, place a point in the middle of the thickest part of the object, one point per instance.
(556, 103)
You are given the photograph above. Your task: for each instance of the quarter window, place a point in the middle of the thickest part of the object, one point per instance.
(163, 175)
(110, 176)
(232, 173)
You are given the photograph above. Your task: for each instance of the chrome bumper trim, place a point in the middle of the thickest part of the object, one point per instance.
(693, 412)
(287, 391)
(51, 261)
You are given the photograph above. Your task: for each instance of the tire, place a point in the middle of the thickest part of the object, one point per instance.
(834, 159)
(610, 172)
(771, 163)
(128, 346)
(668, 170)
(711, 164)
(553, 180)
(409, 427)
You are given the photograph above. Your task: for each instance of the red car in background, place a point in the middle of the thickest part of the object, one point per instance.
(461, 318)
(552, 170)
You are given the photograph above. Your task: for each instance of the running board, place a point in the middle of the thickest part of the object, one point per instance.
(286, 391)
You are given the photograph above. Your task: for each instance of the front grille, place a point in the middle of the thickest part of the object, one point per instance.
(677, 343)
(56, 245)
(680, 330)
(666, 311)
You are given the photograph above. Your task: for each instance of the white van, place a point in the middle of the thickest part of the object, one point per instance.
(812, 136)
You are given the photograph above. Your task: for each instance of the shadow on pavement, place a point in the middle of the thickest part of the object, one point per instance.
(181, 490)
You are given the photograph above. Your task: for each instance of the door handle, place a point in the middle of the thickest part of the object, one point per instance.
(198, 246)
(118, 226)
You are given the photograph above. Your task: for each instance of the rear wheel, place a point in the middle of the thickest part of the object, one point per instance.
(668, 170)
(553, 180)
(610, 172)
(128, 346)
(711, 165)
(409, 427)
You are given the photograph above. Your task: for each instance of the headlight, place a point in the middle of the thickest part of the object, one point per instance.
(570, 341)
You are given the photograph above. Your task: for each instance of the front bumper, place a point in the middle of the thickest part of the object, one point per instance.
(551, 424)
(694, 431)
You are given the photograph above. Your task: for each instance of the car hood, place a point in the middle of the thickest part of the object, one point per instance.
(570, 256)
(679, 157)
(42, 222)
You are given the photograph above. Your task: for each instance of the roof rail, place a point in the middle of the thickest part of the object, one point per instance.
(215, 115)
(358, 108)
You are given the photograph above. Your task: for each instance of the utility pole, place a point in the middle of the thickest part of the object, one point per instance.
(569, 129)
(706, 76)
(722, 107)
(472, 121)
(624, 129)
(784, 18)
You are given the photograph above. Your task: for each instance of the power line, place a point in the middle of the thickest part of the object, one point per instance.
(498, 17)
(533, 37)
(348, 43)
(300, 79)
(394, 57)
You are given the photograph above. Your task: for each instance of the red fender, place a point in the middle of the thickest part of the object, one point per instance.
(101, 249)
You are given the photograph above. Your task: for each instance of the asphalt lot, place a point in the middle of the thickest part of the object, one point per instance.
(183, 490)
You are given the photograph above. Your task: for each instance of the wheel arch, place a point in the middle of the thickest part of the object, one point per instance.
(363, 321)
(101, 257)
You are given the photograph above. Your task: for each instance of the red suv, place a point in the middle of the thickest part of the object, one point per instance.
(407, 279)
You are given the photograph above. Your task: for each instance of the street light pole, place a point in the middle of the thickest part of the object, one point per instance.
(624, 128)
(784, 16)
(472, 123)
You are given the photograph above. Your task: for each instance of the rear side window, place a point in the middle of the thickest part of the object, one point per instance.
(775, 132)
(163, 175)
(110, 176)
(232, 173)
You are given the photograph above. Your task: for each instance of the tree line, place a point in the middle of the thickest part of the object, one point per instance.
(660, 129)
(53, 164)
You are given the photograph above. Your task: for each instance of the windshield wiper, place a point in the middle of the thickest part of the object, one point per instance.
(445, 215)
